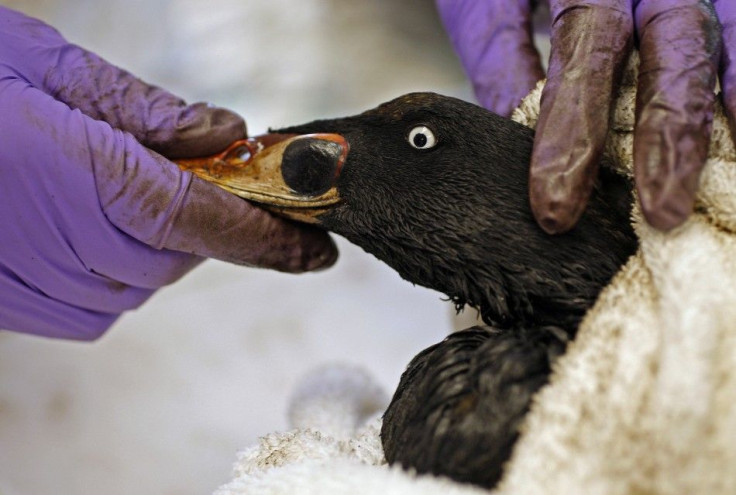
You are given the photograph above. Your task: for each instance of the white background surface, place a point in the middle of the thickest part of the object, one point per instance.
(162, 402)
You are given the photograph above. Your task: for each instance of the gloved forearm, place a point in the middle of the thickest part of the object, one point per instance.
(679, 47)
(585, 68)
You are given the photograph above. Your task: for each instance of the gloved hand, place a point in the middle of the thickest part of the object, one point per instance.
(92, 221)
(679, 43)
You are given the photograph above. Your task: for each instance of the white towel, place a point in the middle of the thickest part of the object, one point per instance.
(644, 401)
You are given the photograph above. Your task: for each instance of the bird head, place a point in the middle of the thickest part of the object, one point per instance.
(437, 188)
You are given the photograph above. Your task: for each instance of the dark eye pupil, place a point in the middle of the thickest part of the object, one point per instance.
(420, 140)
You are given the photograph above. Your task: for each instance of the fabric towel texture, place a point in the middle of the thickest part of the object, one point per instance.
(642, 402)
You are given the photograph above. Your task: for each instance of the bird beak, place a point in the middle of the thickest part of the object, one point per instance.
(291, 175)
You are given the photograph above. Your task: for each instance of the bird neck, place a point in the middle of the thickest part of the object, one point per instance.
(538, 279)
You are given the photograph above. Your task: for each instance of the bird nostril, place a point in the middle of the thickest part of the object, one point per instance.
(309, 165)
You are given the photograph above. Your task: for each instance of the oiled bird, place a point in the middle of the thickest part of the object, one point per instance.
(437, 188)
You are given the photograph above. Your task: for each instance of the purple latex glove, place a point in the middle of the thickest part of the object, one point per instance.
(726, 10)
(494, 42)
(91, 221)
(680, 45)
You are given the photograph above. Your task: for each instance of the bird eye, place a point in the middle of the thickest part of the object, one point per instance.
(421, 138)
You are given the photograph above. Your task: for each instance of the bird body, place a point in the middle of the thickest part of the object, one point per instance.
(437, 188)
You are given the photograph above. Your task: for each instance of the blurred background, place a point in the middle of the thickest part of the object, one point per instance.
(163, 401)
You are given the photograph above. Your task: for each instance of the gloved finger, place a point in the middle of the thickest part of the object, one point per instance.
(155, 117)
(679, 49)
(246, 234)
(83, 80)
(726, 10)
(590, 41)
(495, 45)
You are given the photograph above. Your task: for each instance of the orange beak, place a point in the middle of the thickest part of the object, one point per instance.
(292, 175)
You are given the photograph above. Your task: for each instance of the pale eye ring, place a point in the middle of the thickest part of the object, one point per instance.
(421, 137)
